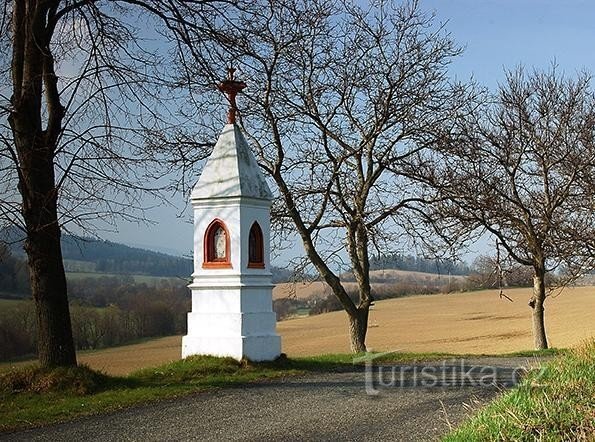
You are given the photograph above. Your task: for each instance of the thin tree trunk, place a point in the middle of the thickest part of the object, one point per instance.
(536, 303)
(358, 326)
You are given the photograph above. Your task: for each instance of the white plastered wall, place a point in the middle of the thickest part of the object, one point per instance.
(232, 307)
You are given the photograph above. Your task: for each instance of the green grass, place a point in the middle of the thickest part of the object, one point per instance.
(410, 357)
(540, 353)
(32, 396)
(75, 265)
(556, 403)
(10, 303)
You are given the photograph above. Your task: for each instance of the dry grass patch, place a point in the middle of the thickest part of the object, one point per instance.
(474, 323)
(79, 380)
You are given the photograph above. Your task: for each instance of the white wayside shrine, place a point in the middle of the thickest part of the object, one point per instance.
(231, 290)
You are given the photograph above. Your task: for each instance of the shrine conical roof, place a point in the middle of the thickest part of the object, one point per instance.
(231, 170)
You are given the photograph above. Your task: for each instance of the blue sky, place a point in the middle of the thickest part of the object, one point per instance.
(495, 33)
(505, 33)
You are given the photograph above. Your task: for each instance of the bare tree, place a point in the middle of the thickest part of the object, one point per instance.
(81, 82)
(489, 272)
(338, 97)
(520, 169)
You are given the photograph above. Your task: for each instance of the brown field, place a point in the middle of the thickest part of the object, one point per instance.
(303, 290)
(473, 322)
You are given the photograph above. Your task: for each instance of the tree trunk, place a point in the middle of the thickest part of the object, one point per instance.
(536, 304)
(357, 237)
(55, 345)
(34, 78)
(358, 326)
(46, 268)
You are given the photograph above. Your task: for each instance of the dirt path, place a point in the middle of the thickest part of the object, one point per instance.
(320, 406)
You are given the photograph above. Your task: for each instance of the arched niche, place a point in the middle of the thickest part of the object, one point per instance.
(217, 246)
(255, 247)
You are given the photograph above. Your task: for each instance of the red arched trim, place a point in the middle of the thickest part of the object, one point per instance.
(255, 247)
(210, 258)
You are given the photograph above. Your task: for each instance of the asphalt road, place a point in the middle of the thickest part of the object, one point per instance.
(408, 403)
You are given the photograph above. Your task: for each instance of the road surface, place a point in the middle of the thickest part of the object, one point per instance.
(408, 403)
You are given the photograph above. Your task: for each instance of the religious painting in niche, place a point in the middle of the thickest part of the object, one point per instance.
(220, 242)
(216, 246)
(255, 247)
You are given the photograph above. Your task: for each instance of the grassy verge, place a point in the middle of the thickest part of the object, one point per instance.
(411, 357)
(32, 396)
(554, 404)
(312, 361)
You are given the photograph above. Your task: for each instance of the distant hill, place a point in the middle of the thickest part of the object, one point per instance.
(88, 255)
(111, 257)
(97, 256)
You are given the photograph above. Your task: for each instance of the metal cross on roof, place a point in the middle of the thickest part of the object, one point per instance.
(231, 88)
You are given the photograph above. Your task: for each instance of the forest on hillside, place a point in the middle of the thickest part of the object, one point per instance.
(412, 263)
(93, 255)
(105, 311)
